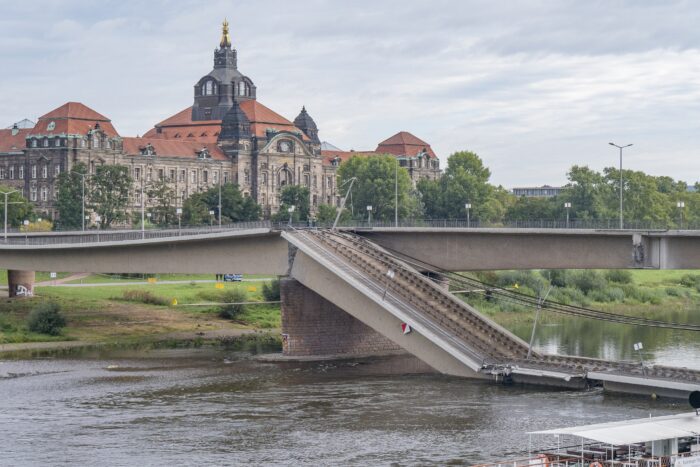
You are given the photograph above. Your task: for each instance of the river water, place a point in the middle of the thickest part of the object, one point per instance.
(186, 407)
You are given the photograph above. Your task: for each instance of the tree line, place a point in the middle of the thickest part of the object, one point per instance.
(379, 182)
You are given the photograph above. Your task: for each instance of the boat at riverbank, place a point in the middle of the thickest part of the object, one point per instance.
(672, 440)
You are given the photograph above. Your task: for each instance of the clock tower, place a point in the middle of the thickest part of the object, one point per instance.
(215, 93)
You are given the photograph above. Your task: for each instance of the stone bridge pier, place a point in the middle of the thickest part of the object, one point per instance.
(313, 326)
(20, 283)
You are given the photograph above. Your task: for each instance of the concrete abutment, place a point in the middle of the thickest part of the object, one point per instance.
(20, 283)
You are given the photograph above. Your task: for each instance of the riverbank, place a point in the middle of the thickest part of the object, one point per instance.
(168, 313)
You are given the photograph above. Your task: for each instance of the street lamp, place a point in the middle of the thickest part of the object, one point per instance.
(468, 207)
(290, 210)
(680, 205)
(26, 231)
(369, 215)
(396, 195)
(16, 202)
(82, 175)
(211, 218)
(620, 148)
(178, 211)
(567, 206)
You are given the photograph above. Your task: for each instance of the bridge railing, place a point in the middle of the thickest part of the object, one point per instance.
(116, 235)
(591, 224)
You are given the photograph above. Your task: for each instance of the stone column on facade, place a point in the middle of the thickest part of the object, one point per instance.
(20, 283)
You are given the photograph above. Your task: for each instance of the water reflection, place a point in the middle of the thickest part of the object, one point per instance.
(613, 341)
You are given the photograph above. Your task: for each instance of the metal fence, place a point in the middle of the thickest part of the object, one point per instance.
(15, 237)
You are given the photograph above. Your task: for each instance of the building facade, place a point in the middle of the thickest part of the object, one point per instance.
(227, 135)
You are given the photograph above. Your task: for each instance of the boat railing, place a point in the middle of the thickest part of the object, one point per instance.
(542, 460)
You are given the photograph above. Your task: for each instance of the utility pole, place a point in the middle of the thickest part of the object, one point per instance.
(16, 202)
(143, 214)
(220, 176)
(540, 301)
(621, 148)
(396, 195)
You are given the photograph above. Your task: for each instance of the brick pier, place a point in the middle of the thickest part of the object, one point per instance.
(311, 325)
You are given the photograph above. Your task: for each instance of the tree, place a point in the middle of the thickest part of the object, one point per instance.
(19, 210)
(466, 180)
(234, 206)
(109, 193)
(297, 196)
(375, 186)
(70, 197)
(327, 213)
(162, 196)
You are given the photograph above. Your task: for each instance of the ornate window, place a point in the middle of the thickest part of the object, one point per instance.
(2, 173)
(306, 180)
(46, 142)
(34, 143)
(149, 174)
(137, 173)
(161, 174)
(242, 88)
(193, 178)
(12, 171)
(33, 171)
(44, 193)
(205, 176)
(182, 176)
(226, 177)
(148, 150)
(264, 178)
(21, 172)
(204, 153)
(209, 88)
(57, 142)
(96, 141)
(32, 193)
(172, 175)
(285, 177)
(45, 171)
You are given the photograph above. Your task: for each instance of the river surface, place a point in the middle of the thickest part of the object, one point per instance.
(207, 407)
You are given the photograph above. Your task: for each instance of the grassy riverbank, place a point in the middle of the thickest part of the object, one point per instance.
(133, 313)
(637, 293)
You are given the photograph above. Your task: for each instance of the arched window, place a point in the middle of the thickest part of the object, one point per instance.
(242, 88)
(285, 177)
(208, 88)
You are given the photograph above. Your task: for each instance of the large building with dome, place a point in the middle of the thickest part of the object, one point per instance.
(227, 135)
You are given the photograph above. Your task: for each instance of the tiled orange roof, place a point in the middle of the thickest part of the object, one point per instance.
(172, 148)
(13, 143)
(75, 110)
(72, 118)
(404, 144)
(261, 118)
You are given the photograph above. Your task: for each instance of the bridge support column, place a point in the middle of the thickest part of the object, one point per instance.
(313, 326)
(20, 283)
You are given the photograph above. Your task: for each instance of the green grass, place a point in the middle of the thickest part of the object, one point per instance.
(108, 278)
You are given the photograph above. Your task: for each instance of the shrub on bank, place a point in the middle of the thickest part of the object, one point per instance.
(619, 276)
(143, 296)
(271, 290)
(232, 307)
(46, 318)
(690, 280)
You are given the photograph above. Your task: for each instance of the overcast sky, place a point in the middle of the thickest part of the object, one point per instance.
(533, 87)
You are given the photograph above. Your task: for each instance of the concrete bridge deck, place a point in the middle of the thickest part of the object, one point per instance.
(447, 333)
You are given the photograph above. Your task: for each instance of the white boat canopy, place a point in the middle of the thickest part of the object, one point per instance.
(635, 431)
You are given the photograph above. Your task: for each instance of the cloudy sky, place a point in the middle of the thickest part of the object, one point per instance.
(533, 87)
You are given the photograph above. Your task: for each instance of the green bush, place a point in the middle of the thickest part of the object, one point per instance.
(46, 318)
(586, 280)
(232, 299)
(143, 296)
(608, 294)
(271, 290)
(689, 280)
(570, 296)
(619, 276)
(676, 292)
(556, 276)
(524, 279)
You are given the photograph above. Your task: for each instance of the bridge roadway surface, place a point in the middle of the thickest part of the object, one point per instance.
(258, 248)
(484, 348)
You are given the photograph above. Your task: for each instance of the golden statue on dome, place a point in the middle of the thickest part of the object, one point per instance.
(225, 36)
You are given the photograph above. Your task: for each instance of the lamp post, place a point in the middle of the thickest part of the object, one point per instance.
(396, 195)
(98, 219)
(468, 207)
(178, 211)
(211, 218)
(680, 205)
(143, 214)
(621, 148)
(220, 177)
(6, 195)
(369, 215)
(290, 210)
(26, 231)
(82, 175)
(567, 206)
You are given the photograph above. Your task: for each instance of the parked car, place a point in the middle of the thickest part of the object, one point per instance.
(233, 277)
